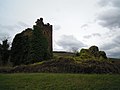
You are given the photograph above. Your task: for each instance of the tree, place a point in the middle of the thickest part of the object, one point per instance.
(0, 54)
(4, 36)
(20, 49)
(4, 52)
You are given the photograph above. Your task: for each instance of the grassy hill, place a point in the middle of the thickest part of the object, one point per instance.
(66, 62)
(63, 53)
(67, 65)
(48, 81)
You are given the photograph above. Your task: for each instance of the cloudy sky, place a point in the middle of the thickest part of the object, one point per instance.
(76, 23)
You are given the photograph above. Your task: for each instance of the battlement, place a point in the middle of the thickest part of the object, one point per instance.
(40, 23)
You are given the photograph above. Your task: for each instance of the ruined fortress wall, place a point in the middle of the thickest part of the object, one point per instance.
(47, 31)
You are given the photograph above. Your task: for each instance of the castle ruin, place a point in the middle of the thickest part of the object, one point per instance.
(32, 45)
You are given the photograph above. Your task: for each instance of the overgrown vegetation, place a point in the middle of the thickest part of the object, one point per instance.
(39, 50)
(92, 53)
(20, 51)
(67, 65)
(4, 52)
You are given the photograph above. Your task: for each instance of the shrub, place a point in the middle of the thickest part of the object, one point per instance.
(92, 53)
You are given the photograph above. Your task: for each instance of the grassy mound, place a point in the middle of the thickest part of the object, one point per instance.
(68, 65)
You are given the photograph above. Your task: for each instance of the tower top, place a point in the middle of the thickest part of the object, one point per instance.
(39, 22)
(41, 19)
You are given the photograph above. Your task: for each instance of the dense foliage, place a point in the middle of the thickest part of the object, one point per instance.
(4, 52)
(30, 46)
(92, 53)
(20, 49)
(39, 46)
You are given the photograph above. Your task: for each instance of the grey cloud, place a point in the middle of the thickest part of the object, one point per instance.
(57, 27)
(110, 17)
(96, 34)
(108, 46)
(112, 47)
(70, 43)
(11, 30)
(20, 23)
(111, 50)
(92, 35)
(103, 2)
(84, 25)
(112, 3)
(87, 36)
(117, 40)
(13, 27)
(7, 27)
(115, 54)
(4, 36)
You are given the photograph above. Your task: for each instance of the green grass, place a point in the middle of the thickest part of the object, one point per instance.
(46, 81)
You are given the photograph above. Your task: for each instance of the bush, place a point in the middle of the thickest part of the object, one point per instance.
(92, 53)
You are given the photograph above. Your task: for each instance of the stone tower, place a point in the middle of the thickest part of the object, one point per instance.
(30, 47)
(47, 31)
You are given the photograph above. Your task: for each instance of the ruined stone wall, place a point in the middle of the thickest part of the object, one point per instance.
(47, 31)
